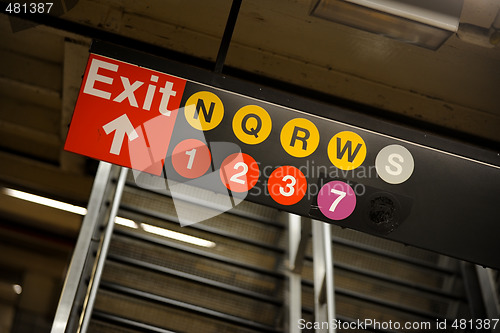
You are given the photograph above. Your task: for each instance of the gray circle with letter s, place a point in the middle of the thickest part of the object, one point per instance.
(394, 164)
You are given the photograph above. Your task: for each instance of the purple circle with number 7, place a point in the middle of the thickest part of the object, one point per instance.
(336, 200)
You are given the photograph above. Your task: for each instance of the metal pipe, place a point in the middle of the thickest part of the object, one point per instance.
(226, 37)
(330, 283)
(294, 278)
(320, 306)
(80, 252)
(86, 314)
(489, 292)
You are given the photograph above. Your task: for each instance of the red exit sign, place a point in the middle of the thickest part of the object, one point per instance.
(125, 114)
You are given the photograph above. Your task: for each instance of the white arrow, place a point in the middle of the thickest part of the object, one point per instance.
(121, 126)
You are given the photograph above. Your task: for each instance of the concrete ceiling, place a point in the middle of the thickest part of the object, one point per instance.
(454, 87)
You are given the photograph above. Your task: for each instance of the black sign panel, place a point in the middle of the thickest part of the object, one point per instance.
(324, 162)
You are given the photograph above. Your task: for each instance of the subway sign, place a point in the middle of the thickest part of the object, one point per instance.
(246, 142)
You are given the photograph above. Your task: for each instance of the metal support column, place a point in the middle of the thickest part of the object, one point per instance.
(473, 292)
(324, 288)
(489, 293)
(448, 284)
(82, 260)
(299, 229)
(103, 252)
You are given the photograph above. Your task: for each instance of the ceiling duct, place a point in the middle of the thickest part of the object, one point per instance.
(426, 23)
(480, 36)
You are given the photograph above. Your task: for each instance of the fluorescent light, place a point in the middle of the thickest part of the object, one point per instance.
(426, 23)
(45, 201)
(177, 235)
(118, 220)
(17, 289)
(126, 222)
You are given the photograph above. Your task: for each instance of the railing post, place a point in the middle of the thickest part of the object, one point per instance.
(324, 288)
(82, 259)
(298, 236)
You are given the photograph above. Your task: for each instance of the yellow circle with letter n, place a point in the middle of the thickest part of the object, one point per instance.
(204, 110)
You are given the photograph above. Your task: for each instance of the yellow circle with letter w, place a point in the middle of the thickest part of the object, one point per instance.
(347, 150)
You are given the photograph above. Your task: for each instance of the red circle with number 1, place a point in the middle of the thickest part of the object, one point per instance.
(287, 185)
(191, 158)
(239, 172)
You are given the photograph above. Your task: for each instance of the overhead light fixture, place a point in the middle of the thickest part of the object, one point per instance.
(118, 220)
(426, 23)
(177, 235)
(164, 232)
(45, 201)
(126, 222)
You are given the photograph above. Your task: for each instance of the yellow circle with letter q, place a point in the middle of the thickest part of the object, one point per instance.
(299, 137)
(204, 110)
(252, 124)
(347, 150)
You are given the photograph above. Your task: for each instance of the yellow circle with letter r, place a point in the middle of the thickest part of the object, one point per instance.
(347, 150)
(299, 137)
(204, 110)
(252, 124)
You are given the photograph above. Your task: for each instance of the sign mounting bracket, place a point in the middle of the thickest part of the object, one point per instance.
(228, 33)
